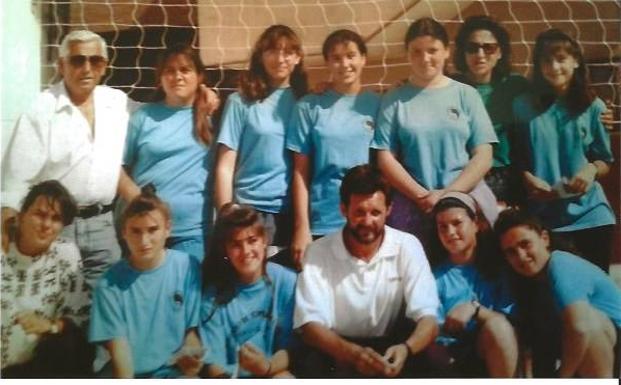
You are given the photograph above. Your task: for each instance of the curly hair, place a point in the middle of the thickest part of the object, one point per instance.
(486, 23)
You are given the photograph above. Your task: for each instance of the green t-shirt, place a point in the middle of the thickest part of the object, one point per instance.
(498, 98)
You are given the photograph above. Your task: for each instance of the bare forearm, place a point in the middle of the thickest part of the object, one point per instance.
(602, 168)
(224, 188)
(279, 362)
(475, 170)
(127, 189)
(300, 192)
(121, 359)
(425, 332)
(225, 169)
(398, 176)
(327, 341)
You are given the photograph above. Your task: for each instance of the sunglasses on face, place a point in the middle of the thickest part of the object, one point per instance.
(80, 60)
(488, 48)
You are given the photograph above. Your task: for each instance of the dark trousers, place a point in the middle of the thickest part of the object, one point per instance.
(66, 355)
(310, 362)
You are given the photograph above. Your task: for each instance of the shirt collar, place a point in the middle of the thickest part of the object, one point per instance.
(388, 248)
(63, 100)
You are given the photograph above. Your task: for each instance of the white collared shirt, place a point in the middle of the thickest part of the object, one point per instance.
(359, 299)
(53, 140)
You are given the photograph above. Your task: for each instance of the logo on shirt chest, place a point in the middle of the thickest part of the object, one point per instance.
(177, 299)
(369, 125)
(452, 113)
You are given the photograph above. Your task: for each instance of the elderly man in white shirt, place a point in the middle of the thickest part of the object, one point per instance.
(75, 133)
(356, 284)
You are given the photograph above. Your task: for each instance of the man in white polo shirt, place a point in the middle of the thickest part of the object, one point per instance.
(358, 285)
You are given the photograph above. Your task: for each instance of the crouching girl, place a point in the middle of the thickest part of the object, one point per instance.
(247, 307)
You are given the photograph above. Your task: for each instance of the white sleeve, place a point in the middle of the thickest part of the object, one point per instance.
(25, 157)
(132, 105)
(314, 297)
(421, 294)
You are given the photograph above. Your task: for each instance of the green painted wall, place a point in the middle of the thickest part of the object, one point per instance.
(20, 60)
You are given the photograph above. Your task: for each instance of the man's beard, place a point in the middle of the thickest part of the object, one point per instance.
(365, 234)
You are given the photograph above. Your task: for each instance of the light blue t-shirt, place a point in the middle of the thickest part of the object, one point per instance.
(260, 313)
(558, 146)
(334, 130)
(151, 309)
(161, 149)
(432, 131)
(574, 279)
(256, 131)
(459, 284)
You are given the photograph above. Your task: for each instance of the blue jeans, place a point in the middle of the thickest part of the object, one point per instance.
(97, 242)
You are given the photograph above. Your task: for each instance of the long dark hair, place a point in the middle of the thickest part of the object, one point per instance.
(254, 84)
(488, 257)
(217, 269)
(203, 130)
(579, 97)
(486, 23)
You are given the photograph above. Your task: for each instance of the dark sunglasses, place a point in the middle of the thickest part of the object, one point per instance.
(488, 48)
(80, 60)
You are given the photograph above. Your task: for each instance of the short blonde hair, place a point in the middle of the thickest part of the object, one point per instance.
(81, 36)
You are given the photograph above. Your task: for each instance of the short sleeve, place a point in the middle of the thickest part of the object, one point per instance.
(567, 280)
(599, 149)
(107, 320)
(314, 298)
(233, 122)
(386, 131)
(134, 127)
(481, 128)
(421, 294)
(299, 138)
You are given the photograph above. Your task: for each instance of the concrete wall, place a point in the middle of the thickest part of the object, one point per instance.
(20, 58)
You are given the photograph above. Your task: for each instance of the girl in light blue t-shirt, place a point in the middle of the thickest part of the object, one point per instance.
(330, 134)
(433, 133)
(246, 316)
(168, 144)
(566, 148)
(253, 166)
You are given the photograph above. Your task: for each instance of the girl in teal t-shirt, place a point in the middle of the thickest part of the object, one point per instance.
(253, 165)
(168, 144)
(330, 134)
(566, 148)
(433, 134)
(246, 316)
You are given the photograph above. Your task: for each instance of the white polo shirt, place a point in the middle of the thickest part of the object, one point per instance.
(359, 299)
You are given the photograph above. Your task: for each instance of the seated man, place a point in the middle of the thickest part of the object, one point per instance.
(587, 300)
(355, 285)
(44, 297)
(145, 308)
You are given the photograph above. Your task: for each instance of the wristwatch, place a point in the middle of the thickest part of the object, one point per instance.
(477, 308)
